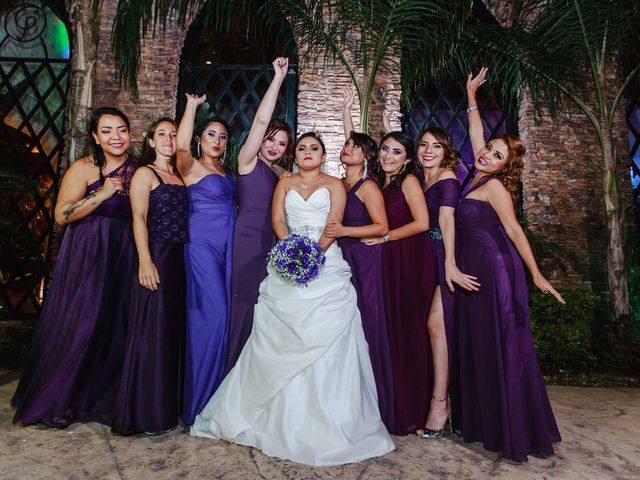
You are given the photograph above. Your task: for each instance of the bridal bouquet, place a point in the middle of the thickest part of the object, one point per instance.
(297, 259)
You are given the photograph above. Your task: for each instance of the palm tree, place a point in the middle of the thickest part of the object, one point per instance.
(561, 50)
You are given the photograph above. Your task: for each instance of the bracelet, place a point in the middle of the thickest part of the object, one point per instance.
(386, 238)
(471, 108)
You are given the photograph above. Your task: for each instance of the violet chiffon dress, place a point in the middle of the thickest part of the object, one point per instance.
(443, 193)
(252, 241)
(409, 282)
(366, 275)
(502, 400)
(207, 257)
(150, 394)
(73, 369)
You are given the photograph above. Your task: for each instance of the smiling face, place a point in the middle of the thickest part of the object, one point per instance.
(112, 135)
(275, 146)
(493, 157)
(213, 140)
(164, 139)
(351, 153)
(309, 153)
(392, 156)
(430, 151)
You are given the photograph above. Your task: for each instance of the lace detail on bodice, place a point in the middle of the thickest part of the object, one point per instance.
(167, 218)
(118, 205)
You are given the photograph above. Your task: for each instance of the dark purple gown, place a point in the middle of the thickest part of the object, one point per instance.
(253, 239)
(150, 394)
(366, 276)
(73, 369)
(409, 282)
(443, 193)
(502, 400)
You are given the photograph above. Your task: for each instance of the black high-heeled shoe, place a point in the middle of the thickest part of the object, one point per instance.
(432, 433)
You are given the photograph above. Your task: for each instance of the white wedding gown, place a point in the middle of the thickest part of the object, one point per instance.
(303, 387)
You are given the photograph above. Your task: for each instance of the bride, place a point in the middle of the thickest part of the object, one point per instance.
(303, 387)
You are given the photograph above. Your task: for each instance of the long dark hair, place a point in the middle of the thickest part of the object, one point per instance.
(276, 125)
(199, 130)
(98, 154)
(148, 154)
(409, 168)
(369, 147)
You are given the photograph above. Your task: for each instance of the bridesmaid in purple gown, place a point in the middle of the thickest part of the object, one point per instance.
(502, 400)
(149, 399)
(73, 369)
(213, 196)
(409, 280)
(439, 160)
(265, 156)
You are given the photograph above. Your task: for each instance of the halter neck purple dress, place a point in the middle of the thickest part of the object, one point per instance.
(366, 275)
(207, 257)
(73, 369)
(409, 283)
(150, 394)
(443, 193)
(502, 401)
(253, 239)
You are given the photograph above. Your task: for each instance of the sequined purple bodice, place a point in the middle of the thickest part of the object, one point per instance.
(168, 214)
(118, 205)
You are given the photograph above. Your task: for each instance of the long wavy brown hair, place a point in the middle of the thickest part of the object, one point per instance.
(451, 155)
(148, 154)
(275, 125)
(512, 171)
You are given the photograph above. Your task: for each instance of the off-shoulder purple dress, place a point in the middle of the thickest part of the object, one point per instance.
(150, 394)
(366, 275)
(73, 369)
(409, 282)
(443, 193)
(502, 400)
(252, 241)
(207, 258)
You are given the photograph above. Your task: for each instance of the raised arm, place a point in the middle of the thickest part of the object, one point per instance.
(141, 185)
(247, 155)
(185, 132)
(348, 97)
(501, 201)
(278, 218)
(336, 210)
(72, 204)
(476, 130)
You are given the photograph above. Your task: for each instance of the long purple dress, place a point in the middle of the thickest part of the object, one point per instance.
(366, 275)
(73, 369)
(253, 239)
(443, 193)
(207, 258)
(502, 399)
(409, 283)
(150, 394)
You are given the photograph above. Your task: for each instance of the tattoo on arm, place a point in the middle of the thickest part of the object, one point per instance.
(74, 206)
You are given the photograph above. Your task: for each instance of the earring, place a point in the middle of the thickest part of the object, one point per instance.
(364, 170)
(198, 148)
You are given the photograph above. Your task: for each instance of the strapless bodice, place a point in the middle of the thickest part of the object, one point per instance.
(307, 217)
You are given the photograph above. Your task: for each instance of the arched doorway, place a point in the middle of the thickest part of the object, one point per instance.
(34, 68)
(235, 71)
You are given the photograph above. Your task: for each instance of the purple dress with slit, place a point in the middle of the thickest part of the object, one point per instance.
(150, 394)
(502, 401)
(366, 275)
(252, 241)
(409, 282)
(443, 193)
(73, 369)
(207, 258)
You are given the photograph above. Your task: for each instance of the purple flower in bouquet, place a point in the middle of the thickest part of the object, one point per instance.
(297, 259)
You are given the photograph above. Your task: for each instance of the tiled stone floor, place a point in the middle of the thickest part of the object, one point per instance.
(600, 429)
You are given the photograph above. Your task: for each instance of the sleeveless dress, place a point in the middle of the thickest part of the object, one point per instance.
(207, 258)
(409, 283)
(443, 193)
(150, 394)
(366, 275)
(502, 399)
(303, 388)
(73, 369)
(252, 241)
